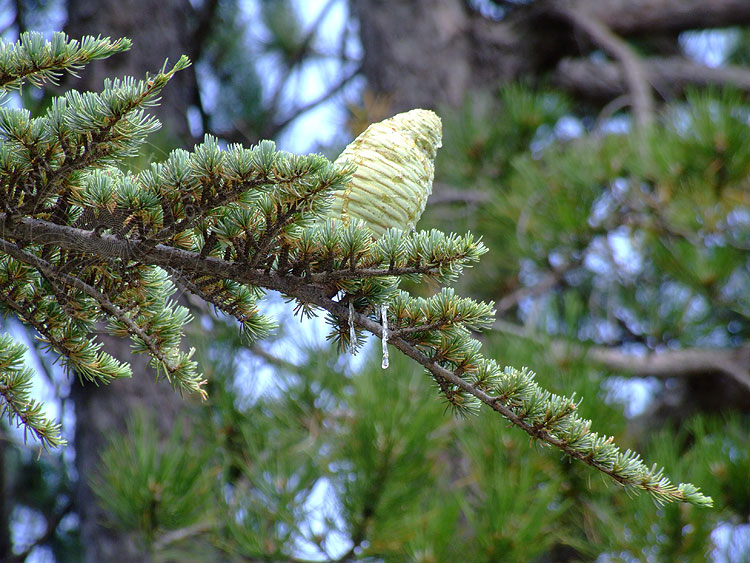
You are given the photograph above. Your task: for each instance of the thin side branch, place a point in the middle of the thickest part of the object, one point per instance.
(731, 362)
(312, 104)
(53, 521)
(65, 279)
(302, 49)
(181, 534)
(273, 359)
(670, 76)
(549, 281)
(635, 75)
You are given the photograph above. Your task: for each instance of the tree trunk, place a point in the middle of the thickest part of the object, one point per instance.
(424, 53)
(159, 30)
(100, 413)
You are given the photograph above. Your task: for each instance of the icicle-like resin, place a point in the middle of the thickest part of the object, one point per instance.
(384, 314)
(352, 332)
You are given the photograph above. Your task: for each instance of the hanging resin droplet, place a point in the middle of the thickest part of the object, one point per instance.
(384, 314)
(352, 332)
(395, 162)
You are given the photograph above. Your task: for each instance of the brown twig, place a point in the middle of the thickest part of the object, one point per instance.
(635, 75)
(664, 364)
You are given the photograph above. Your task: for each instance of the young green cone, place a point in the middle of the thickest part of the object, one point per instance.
(395, 168)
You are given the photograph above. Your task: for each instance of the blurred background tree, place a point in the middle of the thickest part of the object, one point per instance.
(599, 147)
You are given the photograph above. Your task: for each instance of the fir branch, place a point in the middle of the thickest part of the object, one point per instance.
(566, 431)
(174, 363)
(560, 427)
(15, 389)
(236, 301)
(29, 316)
(78, 132)
(109, 246)
(38, 61)
(227, 222)
(66, 338)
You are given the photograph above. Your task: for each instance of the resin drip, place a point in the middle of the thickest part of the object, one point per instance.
(384, 313)
(352, 332)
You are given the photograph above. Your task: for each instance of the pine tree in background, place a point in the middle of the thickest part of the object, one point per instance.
(587, 228)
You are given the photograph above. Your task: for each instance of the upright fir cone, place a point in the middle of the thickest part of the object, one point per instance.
(395, 169)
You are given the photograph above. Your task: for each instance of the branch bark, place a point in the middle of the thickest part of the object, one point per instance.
(688, 362)
(79, 240)
(632, 66)
(638, 17)
(670, 76)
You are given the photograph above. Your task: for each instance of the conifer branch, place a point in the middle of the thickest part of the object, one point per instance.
(427, 338)
(15, 390)
(34, 59)
(82, 241)
(172, 363)
(109, 246)
(549, 418)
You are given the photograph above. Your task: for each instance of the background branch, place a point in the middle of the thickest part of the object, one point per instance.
(688, 362)
(635, 17)
(670, 76)
(632, 67)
